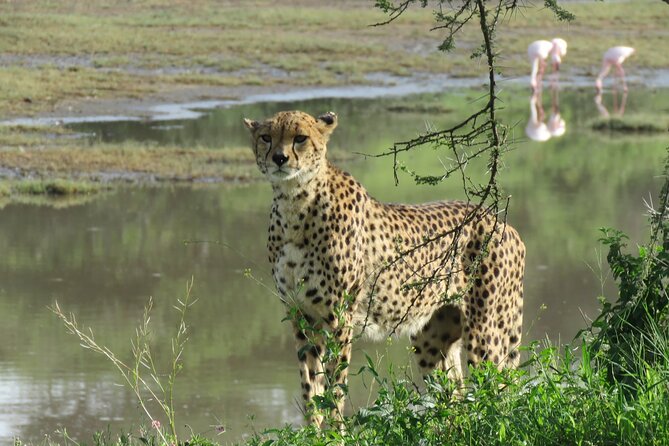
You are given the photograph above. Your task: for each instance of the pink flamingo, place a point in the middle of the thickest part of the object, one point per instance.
(614, 57)
(538, 52)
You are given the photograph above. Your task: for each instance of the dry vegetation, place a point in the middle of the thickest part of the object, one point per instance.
(55, 51)
(131, 162)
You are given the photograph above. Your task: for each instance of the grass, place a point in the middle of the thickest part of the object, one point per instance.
(54, 152)
(23, 137)
(56, 187)
(51, 166)
(134, 162)
(634, 123)
(61, 51)
(55, 193)
(73, 175)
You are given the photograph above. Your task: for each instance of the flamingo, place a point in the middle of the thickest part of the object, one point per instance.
(538, 51)
(614, 57)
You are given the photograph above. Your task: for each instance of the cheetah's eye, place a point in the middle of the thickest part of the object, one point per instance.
(266, 138)
(299, 139)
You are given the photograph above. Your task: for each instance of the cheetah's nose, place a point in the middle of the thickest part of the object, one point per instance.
(280, 159)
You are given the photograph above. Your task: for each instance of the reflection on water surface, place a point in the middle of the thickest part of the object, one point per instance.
(103, 259)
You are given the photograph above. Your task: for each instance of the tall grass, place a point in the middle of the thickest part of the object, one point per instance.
(141, 374)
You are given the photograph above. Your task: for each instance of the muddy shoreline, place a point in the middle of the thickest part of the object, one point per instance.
(192, 101)
(134, 164)
(187, 102)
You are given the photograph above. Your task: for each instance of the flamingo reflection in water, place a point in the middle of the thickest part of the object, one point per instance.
(537, 128)
(618, 107)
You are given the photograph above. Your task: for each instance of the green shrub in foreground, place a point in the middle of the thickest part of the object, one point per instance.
(564, 401)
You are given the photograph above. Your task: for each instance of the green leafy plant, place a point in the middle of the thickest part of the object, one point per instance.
(622, 329)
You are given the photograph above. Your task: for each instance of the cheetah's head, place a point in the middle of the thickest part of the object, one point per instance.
(291, 145)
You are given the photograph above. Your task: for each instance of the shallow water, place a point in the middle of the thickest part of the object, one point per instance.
(103, 259)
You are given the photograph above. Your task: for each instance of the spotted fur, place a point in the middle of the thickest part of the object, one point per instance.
(394, 269)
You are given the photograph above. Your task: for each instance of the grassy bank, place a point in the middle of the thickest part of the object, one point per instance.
(51, 165)
(131, 162)
(55, 193)
(55, 52)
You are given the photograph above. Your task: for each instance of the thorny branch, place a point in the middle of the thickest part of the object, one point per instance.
(478, 135)
(475, 136)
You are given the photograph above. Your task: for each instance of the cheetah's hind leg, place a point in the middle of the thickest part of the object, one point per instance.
(438, 345)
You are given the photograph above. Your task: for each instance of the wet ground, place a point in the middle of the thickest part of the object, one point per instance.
(189, 103)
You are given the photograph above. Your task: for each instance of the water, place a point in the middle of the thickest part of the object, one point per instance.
(103, 259)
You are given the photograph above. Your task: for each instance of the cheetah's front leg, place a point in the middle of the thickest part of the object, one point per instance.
(310, 348)
(324, 352)
(337, 370)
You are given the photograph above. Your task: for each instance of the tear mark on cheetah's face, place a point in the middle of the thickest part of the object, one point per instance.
(291, 145)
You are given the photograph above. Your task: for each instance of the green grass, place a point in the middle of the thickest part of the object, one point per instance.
(635, 123)
(53, 168)
(53, 152)
(56, 193)
(23, 137)
(39, 89)
(51, 187)
(58, 187)
(134, 162)
(121, 49)
(561, 402)
(5, 190)
(556, 399)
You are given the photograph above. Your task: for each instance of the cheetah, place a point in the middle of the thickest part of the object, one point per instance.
(447, 274)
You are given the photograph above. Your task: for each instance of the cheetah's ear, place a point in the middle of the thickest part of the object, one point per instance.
(326, 123)
(250, 124)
